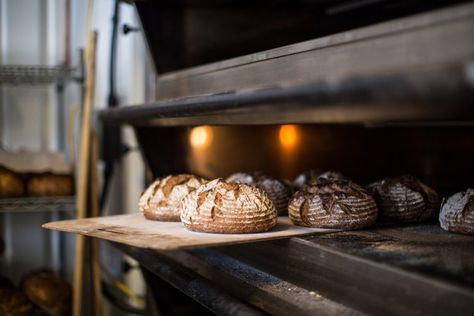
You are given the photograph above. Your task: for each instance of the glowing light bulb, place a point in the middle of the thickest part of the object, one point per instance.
(200, 136)
(289, 135)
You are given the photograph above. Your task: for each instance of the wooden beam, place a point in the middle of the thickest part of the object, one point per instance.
(84, 171)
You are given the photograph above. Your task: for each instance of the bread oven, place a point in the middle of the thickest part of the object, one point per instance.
(372, 89)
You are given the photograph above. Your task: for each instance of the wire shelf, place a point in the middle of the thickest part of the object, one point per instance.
(38, 204)
(33, 75)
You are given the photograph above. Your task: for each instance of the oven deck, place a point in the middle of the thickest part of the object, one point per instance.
(407, 270)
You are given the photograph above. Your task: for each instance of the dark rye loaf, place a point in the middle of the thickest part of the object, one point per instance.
(339, 204)
(404, 200)
(315, 174)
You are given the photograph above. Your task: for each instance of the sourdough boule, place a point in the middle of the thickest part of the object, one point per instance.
(160, 201)
(339, 204)
(457, 213)
(232, 208)
(278, 192)
(404, 199)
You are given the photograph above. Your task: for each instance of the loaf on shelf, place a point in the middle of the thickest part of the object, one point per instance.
(228, 207)
(35, 174)
(49, 184)
(11, 183)
(338, 204)
(278, 191)
(48, 291)
(161, 199)
(404, 199)
(12, 301)
(457, 213)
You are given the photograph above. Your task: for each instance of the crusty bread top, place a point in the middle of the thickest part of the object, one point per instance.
(161, 199)
(316, 174)
(278, 191)
(338, 204)
(457, 213)
(222, 207)
(404, 199)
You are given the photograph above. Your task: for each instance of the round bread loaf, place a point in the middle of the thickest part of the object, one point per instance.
(11, 183)
(14, 303)
(278, 192)
(161, 199)
(232, 208)
(48, 291)
(315, 174)
(457, 213)
(339, 204)
(404, 199)
(49, 184)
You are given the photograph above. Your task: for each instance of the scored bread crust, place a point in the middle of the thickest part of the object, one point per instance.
(278, 192)
(316, 174)
(404, 199)
(231, 208)
(160, 201)
(457, 213)
(338, 204)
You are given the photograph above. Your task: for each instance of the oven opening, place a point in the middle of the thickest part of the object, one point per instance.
(439, 156)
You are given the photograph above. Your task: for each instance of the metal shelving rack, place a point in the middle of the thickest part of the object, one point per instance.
(39, 75)
(38, 204)
(34, 75)
(54, 207)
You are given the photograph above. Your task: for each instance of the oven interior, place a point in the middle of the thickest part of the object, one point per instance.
(354, 268)
(439, 155)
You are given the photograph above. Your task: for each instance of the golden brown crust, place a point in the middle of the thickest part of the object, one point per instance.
(11, 183)
(49, 184)
(48, 291)
(278, 191)
(457, 213)
(339, 204)
(161, 199)
(404, 199)
(231, 208)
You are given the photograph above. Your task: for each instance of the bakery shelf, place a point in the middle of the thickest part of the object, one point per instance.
(439, 93)
(38, 204)
(33, 74)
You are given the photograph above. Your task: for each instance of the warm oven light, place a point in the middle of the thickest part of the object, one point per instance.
(288, 135)
(200, 136)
